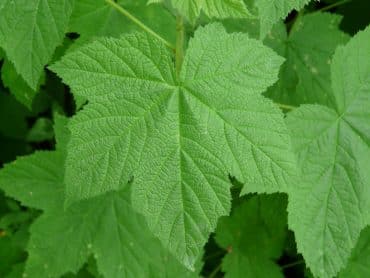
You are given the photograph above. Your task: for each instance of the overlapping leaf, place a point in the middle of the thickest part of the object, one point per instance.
(17, 86)
(191, 9)
(331, 206)
(106, 227)
(30, 30)
(359, 262)
(271, 11)
(95, 18)
(178, 138)
(305, 76)
(254, 235)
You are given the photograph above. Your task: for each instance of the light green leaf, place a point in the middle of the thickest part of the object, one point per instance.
(359, 263)
(305, 76)
(255, 235)
(177, 138)
(191, 9)
(30, 30)
(271, 11)
(330, 207)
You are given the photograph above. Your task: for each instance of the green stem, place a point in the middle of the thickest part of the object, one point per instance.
(214, 255)
(334, 5)
(292, 264)
(180, 39)
(285, 106)
(215, 271)
(138, 23)
(297, 19)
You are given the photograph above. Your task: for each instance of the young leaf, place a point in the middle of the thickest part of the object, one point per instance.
(191, 9)
(254, 235)
(331, 205)
(179, 138)
(308, 60)
(30, 30)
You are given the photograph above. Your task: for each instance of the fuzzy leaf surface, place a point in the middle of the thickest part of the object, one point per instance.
(330, 206)
(178, 138)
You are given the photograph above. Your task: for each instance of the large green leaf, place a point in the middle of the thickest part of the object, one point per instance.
(330, 207)
(30, 30)
(254, 235)
(178, 138)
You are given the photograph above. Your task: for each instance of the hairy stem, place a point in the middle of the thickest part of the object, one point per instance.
(139, 23)
(180, 39)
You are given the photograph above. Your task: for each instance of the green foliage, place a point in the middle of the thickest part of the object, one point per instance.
(254, 236)
(191, 9)
(173, 138)
(171, 112)
(94, 18)
(305, 74)
(358, 264)
(18, 87)
(271, 11)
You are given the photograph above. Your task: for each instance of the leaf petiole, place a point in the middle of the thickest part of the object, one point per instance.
(334, 5)
(285, 106)
(180, 38)
(139, 23)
